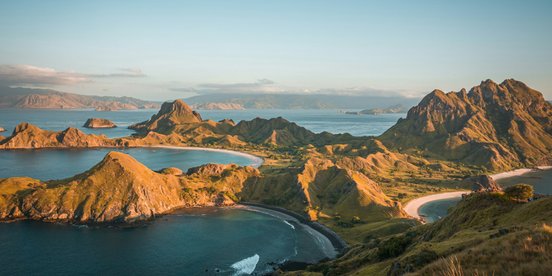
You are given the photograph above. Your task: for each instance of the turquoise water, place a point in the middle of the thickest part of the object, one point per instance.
(46, 164)
(195, 242)
(315, 120)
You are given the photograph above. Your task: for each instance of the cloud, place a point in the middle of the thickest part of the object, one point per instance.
(124, 73)
(266, 86)
(29, 75)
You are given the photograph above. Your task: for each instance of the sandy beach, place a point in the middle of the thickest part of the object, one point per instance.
(414, 205)
(517, 172)
(257, 161)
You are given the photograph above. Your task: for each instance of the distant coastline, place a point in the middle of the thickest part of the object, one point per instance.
(257, 161)
(518, 172)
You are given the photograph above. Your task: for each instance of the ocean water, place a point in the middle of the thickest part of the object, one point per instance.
(209, 241)
(333, 121)
(47, 164)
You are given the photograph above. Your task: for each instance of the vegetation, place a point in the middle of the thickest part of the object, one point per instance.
(521, 192)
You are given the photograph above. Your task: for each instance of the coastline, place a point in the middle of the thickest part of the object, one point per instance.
(412, 207)
(517, 172)
(257, 161)
(334, 246)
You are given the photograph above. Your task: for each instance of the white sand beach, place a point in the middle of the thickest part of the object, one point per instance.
(257, 161)
(414, 205)
(517, 172)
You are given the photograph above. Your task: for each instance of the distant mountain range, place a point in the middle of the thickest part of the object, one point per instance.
(398, 108)
(52, 99)
(296, 101)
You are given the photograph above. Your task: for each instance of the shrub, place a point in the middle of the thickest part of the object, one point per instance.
(521, 192)
(394, 246)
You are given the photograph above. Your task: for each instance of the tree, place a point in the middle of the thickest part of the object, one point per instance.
(521, 192)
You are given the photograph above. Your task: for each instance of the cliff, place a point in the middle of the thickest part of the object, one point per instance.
(99, 123)
(499, 126)
(138, 194)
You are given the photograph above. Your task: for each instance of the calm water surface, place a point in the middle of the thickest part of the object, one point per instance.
(46, 164)
(194, 242)
(332, 121)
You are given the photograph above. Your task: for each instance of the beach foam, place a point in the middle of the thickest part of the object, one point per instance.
(246, 266)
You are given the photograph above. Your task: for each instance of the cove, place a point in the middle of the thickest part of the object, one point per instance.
(200, 241)
(47, 164)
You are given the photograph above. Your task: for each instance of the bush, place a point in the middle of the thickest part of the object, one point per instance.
(394, 246)
(521, 192)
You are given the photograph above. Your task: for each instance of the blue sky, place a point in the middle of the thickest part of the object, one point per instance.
(168, 49)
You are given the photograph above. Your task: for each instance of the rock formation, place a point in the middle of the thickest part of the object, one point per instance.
(482, 183)
(170, 115)
(99, 123)
(499, 126)
(2, 129)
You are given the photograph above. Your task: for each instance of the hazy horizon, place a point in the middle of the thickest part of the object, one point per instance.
(161, 51)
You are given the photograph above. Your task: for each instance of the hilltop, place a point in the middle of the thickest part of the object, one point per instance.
(499, 126)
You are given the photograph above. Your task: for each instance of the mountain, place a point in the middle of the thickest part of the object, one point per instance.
(298, 101)
(170, 114)
(499, 126)
(52, 99)
(398, 108)
(138, 194)
(218, 106)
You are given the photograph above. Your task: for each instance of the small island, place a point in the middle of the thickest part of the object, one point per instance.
(99, 123)
(2, 129)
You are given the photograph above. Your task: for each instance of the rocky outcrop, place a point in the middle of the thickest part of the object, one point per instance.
(99, 123)
(170, 115)
(138, 194)
(482, 183)
(2, 129)
(27, 136)
(499, 126)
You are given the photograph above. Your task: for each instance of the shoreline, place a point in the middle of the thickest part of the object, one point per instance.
(257, 161)
(518, 172)
(339, 246)
(412, 207)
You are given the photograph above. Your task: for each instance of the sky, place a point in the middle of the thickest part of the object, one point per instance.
(161, 50)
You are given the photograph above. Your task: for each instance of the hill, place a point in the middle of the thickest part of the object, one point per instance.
(299, 101)
(485, 234)
(52, 99)
(500, 126)
(138, 194)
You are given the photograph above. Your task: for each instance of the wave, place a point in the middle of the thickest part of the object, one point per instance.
(291, 225)
(246, 266)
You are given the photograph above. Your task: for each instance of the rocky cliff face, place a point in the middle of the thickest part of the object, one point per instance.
(137, 194)
(170, 115)
(99, 123)
(499, 126)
